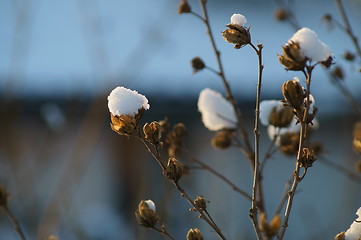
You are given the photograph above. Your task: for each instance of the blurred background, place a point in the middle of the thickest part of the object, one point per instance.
(69, 175)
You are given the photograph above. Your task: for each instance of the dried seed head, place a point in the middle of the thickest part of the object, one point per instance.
(145, 214)
(358, 166)
(327, 17)
(349, 56)
(180, 130)
(236, 34)
(292, 58)
(174, 170)
(123, 125)
(340, 236)
(184, 7)
(317, 148)
(197, 64)
(281, 14)
(164, 126)
(222, 139)
(289, 143)
(201, 202)
(281, 117)
(194, 234)
(294, 94)
(337, 73)
(4, 196)
(152, 132)
(357, 137)
(307, 158)
(269, 229)
(328, 63)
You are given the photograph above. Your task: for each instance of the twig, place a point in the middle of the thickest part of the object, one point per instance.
(180, 188)
(348, 173)
(15, 222)
(229, 95)
(163, 232)
(256, 180)
(297, 179)
(222, 177)
(284, 196)
(347, 26)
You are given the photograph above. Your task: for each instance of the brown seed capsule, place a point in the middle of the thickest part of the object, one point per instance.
(194, 234)
(174, 169)
(236, 34)
(340, 236)
(180, 130)
(269, 229)
(184, 7)
(281, 117)
(349, 56)
(289, 143)
(307, 158)
(152, 132)
(328, 62)
(145, 214)
(337, 72)
(294, 94)
(201, 202)
(222, 140)
(197, 64)
(281, 14)
(292, 58)
(357, 137)
(3, 197)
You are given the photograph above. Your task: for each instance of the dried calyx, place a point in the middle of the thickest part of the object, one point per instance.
(145, 214)
(174, 170)
(194, 234)
(237, 33)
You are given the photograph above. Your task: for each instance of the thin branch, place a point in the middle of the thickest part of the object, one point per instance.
(180, 188)
(229, 95)
(297, 179)
(256, 180)
(347, 26)
(222, 177)
(14, 221)
(163, 232)
(338, 167)
(284, 196)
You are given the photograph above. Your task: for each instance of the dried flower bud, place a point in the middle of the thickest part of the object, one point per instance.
(340, 236)
(281, 117)
(197, 64)
(269, 229)
(174, 170)
(307, 158)
(337, 72)
(294, 94)
(222, 139)
(152, 132)
(53, 237)
(184, 7)
(164, 126)
(3, 197)
(201, 202)
(292, 58)
(357, 137)
(281, 14)
(349, 56)
(328, 62)
(145, 214)
(358, 166)
(236, 34)
(289, 143)
(180, 130)
(327, 17)
(194, 234)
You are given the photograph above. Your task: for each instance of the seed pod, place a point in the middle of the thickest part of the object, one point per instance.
(222, 140)
(281, 14)
(340, 236)
(307, 158)
(294, 94)
(201, 202)
(194, 234)
(184, 7)
(174, 169)
(292, 58)
(197, 64)
(236, 34)
(281, 117)
(145, 214)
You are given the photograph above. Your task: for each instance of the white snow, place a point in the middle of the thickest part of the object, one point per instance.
(238, 19)
(150, 204)
(217, 112)
(266, 107)
(354, 232)
(123, 101)
(311, 46)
